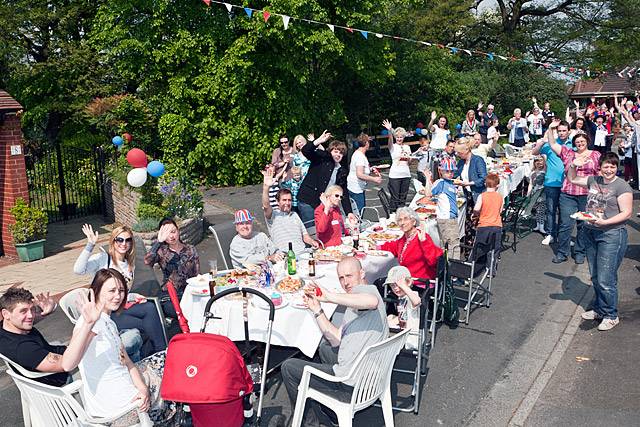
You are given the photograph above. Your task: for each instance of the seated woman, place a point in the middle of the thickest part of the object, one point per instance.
(110, 380)
(248, 246)
(138, 313)
(415, 249)
(177, 260)
(328, 218)
(408, 305)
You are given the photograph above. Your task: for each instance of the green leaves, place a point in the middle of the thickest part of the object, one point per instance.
(30, 223)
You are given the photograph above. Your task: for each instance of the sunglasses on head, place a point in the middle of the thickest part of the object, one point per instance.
(123, 240)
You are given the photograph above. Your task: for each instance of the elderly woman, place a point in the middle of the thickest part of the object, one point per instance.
(519, 131)
(178, 261)
(138, 313)
(399, 173)
(472, 169)
(329, 223)
(573, 198)
(470, 126)
(282, 157)
(248, 246)
(415, 249)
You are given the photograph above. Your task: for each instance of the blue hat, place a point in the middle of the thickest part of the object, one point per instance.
(243, 215)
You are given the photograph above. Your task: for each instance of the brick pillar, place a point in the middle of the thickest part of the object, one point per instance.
(13, 176)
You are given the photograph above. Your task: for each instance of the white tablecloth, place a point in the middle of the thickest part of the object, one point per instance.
(509, 185)
(292, 327)
(432, 224)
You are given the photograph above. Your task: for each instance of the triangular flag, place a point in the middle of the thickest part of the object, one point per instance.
(504, 58)
(426, 43)
(490, 56)
(454, 50)
(228, 6)
(441, 46)
(468, 52)
(207, 2)
(588, 73)
(350, 30)
(266, 15)
(365, 34)
(331, 27)
(249, 11)
(563, 69)
(285, 21)
(378, 35)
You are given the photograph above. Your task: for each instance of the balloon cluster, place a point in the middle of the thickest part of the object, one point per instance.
(138, 160)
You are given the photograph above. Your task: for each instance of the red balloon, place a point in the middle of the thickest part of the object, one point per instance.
(127, 136)
(419, 126)
(137, 158)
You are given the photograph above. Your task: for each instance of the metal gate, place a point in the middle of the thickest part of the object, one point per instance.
(66, 181)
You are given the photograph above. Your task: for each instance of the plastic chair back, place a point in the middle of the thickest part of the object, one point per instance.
(25, 372)
(372, 370)
(384, 201)
(220, 251)
(68, 304)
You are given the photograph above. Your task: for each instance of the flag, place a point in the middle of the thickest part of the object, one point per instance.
(228, 6)
(266, 15)
(332, 28)
(207, 2)
(378, 35)
(365, 34)
(249, 11)
(490, 56)
(285, 21)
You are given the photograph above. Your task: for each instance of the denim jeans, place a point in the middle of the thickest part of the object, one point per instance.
(143, 317)
(568, 206)
(552, 199)
(306, 213)
(132, 342)
(359, 199)
(605, 250)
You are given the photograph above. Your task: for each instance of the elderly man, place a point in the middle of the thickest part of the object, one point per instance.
(248, 246)
(362, 325)
(284, 225)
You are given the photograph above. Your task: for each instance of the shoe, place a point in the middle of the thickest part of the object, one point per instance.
(590, 315)
(559, 259)
(547, 240)
(572, 243)
(607, 324)
(579, 260)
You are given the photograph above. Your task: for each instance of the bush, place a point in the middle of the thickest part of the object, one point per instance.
(30, 225)
(146, 225)
(148, 211)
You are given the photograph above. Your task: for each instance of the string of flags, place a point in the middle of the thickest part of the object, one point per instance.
(454, 50)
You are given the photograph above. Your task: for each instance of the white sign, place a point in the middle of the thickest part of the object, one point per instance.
(16, 150)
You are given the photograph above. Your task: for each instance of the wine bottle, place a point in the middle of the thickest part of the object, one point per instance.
(291, 260)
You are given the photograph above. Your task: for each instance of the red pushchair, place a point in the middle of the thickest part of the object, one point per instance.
(208, 372)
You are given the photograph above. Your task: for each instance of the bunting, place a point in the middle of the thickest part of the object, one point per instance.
(452, 49)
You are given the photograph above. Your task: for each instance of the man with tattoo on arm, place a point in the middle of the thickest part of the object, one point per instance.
(23, 344)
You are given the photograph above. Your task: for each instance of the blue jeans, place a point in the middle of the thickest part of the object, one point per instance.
(307, 214)
(552, 199)
(132, 342)
(568, 206)
(359, 199)
(605, 250)
(143, 317)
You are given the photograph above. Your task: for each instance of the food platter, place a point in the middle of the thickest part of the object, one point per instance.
(329, 254)
(237, 277)
(584, 216)
(382, 236)
(290, 284)
(383, 166)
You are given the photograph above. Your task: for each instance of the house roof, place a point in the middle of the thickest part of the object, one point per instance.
(609, 84)
(7, 103)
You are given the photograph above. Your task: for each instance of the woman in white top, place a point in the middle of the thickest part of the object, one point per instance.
(440, 133)
(519, 131)
(399, 174)
(110, 380)
(139, 314)
(359, 172)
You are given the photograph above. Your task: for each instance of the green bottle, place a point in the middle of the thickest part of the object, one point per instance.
(291, 260)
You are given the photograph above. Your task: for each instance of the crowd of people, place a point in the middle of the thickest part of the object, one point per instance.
(311, 198)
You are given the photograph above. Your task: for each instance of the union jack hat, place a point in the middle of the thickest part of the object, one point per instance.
(243, 215)
(448, 164)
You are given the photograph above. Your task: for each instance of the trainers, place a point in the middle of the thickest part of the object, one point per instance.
(579, 260)
(607, 324)
(547, 240)
(558, 259)
(590, 315)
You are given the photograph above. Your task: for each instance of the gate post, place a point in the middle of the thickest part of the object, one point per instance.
(13, 173)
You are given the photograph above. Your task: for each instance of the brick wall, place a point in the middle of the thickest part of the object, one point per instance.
(121, 204)
(13, 178)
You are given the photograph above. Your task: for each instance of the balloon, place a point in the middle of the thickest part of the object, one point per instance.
(417, 132)
(420, 125)
(458, 126)
(127, 136)
(137, 177)
(424, 132)
(155, 168)
(384, 132)
(137, 158)
(117, 141)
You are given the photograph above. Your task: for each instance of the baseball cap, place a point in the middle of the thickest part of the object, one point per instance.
(396, 274)
(448, 164)
(242, 215)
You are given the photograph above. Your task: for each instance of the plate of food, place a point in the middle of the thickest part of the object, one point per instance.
(201, 292)
(276, 299)
(200, 281)
(584, 216)
(386, 237)
(382, 166)
(378, 253)
(237, 277)
(328, 254)
(297, 301)
(290, 284)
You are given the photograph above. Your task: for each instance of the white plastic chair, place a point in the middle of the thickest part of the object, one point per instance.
(224, 258)
(417, 185)
(24, 371)
(56, 406)
(371, 374)
(68, 303)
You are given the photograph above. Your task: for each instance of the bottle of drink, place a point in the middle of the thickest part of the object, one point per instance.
(355, 235)
(291, 260)
(312, 266)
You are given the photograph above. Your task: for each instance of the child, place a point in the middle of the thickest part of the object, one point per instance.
(273, 190)
(536, 181)
(447, 206)
(627, 146)
(408, 305)
(424, 164)
(293, 184)
(489, 209)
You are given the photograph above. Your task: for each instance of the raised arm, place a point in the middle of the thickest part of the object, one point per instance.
(551, 137)
(434, 115)
(267, 182)
(387, 125)
(572, 174)
(623, 109)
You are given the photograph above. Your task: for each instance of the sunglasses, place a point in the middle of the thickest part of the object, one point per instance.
(122, 240)
(339, 196)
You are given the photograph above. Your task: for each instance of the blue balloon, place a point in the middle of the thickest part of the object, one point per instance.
(384, 132)
(458, 126)
(155, 169)
(418, 131)
(117, 141)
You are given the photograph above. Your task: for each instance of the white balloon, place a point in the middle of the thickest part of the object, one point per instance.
(137, 177)
(424, 132)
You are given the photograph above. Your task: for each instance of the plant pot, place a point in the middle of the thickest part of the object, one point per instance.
(30, 251)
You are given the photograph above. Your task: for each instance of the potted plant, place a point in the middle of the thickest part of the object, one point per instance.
(28, 231)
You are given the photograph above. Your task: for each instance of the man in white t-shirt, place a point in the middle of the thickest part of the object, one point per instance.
(359, 172)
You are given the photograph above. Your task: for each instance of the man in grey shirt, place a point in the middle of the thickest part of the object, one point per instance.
(284, 225)
(364, 323)
(248, 246)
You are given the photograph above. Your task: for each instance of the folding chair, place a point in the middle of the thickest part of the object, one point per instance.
(220, 251)
(510, 217)
(374, 217)
(525, 221)
(385, 201)
(474, 276)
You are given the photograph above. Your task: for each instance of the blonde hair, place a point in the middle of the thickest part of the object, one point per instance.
(464, 144)
(297, 139)
(296, 169)
(130, 255)
(334, 189)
